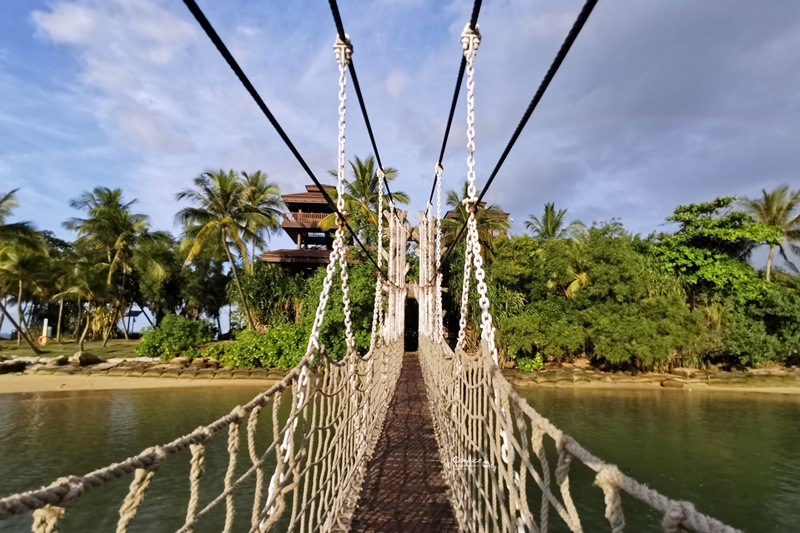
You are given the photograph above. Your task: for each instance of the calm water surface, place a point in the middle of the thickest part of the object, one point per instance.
(736, 456)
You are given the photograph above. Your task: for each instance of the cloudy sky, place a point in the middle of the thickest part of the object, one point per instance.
(660, 102)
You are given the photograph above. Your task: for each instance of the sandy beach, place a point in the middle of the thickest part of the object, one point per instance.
(30, 383)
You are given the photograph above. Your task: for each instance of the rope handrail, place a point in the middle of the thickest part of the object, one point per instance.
(481, 419)
(363, 385)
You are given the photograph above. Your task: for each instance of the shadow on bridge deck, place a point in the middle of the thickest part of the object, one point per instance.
(404, 489)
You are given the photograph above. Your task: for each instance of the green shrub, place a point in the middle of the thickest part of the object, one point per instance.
(529, 364)
(175, 335)
(281, 347)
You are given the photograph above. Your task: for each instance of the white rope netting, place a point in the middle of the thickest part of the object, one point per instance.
(494, 446)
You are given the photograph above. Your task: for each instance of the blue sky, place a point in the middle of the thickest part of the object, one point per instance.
(659, 103)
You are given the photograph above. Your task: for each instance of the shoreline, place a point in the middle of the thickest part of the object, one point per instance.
(38, 383)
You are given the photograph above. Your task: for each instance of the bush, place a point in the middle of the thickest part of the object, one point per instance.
(175, 335)
(529, 364)
(281, 347)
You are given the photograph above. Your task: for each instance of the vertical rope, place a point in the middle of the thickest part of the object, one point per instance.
(46, 518)
(233, 449)
(195, 473)
(252, 424)
(135, 496)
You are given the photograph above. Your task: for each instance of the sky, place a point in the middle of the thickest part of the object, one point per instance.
(659, 103)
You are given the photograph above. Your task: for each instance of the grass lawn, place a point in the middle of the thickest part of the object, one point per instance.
(115, 348)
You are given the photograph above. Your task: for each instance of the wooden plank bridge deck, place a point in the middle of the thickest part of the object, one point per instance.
(404, 489)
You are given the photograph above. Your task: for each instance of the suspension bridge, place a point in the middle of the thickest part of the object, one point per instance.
(436, 440)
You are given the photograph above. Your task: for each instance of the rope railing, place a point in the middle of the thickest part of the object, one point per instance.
(336, 424)
(493, 444)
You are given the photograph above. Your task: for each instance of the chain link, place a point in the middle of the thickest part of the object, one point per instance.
(470, 40)
(377, 312)
(439, 318)
(343, 51)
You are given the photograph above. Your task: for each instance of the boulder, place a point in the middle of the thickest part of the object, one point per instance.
(509, 364)
(180, 361)
(84, 359)
(682, 372)
(672, 384)
(212, 363)
(61, 360)
(12, 366)
(199, 363)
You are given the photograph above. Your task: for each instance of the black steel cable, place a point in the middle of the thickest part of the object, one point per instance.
(337, 19)
(473, 21)
(215, 38)
(583, 16)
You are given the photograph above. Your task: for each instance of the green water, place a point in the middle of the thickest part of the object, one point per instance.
(736, 456)
(45, 436)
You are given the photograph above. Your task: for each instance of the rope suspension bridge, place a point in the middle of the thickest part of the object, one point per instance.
(387, 440)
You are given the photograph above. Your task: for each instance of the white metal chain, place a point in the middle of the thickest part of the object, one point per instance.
(439, 330)
(343, 51)
(470, 40)
(377, 312)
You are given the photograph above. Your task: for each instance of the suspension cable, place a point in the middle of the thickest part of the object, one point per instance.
(234, 65)
(583, 16)
(337, 19)
(473, 21)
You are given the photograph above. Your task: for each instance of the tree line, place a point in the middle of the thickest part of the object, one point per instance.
(562, 290)
(686, 297)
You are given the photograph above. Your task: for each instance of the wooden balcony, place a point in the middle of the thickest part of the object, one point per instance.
(307, 217)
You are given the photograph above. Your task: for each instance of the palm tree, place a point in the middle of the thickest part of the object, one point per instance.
(361, 193)
(18, 231)
(551, 224)
(221, 218)
(263, 196)
(491, 221)
(21, 268)
(778, 208)
(117, 232)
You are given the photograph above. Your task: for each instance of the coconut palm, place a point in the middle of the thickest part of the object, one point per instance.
(21, 270)
(551, 224)
(491, 221)
(778, 208)
(113, 229)
(18, 231)
(220, 218)
(361, 192)
(265, 197)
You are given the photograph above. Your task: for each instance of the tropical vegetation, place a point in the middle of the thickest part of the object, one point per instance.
(561, 291)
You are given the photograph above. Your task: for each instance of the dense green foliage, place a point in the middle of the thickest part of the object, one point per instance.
(174, 336)
(689, 297)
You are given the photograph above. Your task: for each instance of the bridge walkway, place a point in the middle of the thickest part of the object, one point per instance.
(404, 489)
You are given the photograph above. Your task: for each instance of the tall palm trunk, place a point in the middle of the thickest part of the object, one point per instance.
(2, 315)
(769, 261)
(78, 321)
(19, 314)
(60, 315)
(28, 341)
(238, 285)
(85, 329)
